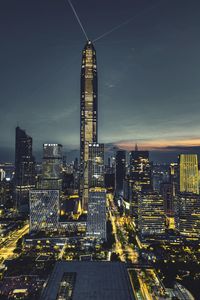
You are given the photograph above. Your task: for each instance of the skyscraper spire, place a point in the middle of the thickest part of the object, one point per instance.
(88, 114)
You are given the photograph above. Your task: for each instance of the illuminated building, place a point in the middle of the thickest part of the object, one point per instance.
(151, 220)
(166, 190)
(88, 114)
(120, 171)
(70, 208)
(2, 174)
(24, 169)
(96, 220)
(139, 179)
(44, 210)
(96, 165)
(44, 202)
(51, 167)
(109, 175)
(9, 170)
(6, 193)
(188, 173)
(140, 169)
(187, 214)
(130, 197)
(173, 177)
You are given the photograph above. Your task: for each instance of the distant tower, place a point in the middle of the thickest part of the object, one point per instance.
(24, 169)
(140, 169)
(88, 114)
(120, 171)
(188, 173)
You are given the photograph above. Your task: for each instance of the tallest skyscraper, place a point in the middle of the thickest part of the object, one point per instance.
(88, 114)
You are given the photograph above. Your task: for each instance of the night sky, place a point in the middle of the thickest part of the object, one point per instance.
(148, 70)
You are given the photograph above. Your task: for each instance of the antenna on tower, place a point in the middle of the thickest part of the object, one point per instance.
(78, 19)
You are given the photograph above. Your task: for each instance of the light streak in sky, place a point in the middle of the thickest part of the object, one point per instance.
(78, 19)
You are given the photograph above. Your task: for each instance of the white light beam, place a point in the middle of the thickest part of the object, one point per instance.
(78, 19)
(127, 21)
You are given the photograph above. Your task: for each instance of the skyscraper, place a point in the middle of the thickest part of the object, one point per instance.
(96, 222)
(44, 202)
(44, 210)
(166, 190)
(96, 165)
(24, 169)
(173, 177)
(151, 219)
(140, 169)
(187, 214)
(88, 114)
(51, 166)
(120, 171)
(188, 173)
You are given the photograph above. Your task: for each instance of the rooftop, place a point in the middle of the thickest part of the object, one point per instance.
(91, 280)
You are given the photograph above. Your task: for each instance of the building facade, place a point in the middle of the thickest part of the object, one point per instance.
(151, 219)
(88, 114)
(44, 210)
(140, 170)
(51, 167)
(187, 215)
(120, 171)
(96, 165)
(188, 173)
(96, 221)
(24, 169)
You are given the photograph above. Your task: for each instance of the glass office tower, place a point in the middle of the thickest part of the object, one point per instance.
(88, 114)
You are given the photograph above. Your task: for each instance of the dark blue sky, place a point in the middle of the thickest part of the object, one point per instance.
(149, 72)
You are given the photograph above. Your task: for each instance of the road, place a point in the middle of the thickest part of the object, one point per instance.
(118, 246)
(150, 287)
(124, 250)
(8, 246)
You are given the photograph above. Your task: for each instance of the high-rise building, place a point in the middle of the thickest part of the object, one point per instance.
(96, 221)
(130, 197)
(96, 165)
(51, 167)
(151, 219)
(187, 214)
(44, 210)
(173, 177)
(188, 173)
(88, 114)
(140, 170)
(166, 190)
(120, 171)
(24, 169)
(110, 182)
(6, 193)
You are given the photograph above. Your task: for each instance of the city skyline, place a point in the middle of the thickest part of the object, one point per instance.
(132, 58)
(100, 150)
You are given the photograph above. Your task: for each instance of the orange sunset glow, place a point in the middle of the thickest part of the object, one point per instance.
(160, 144)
